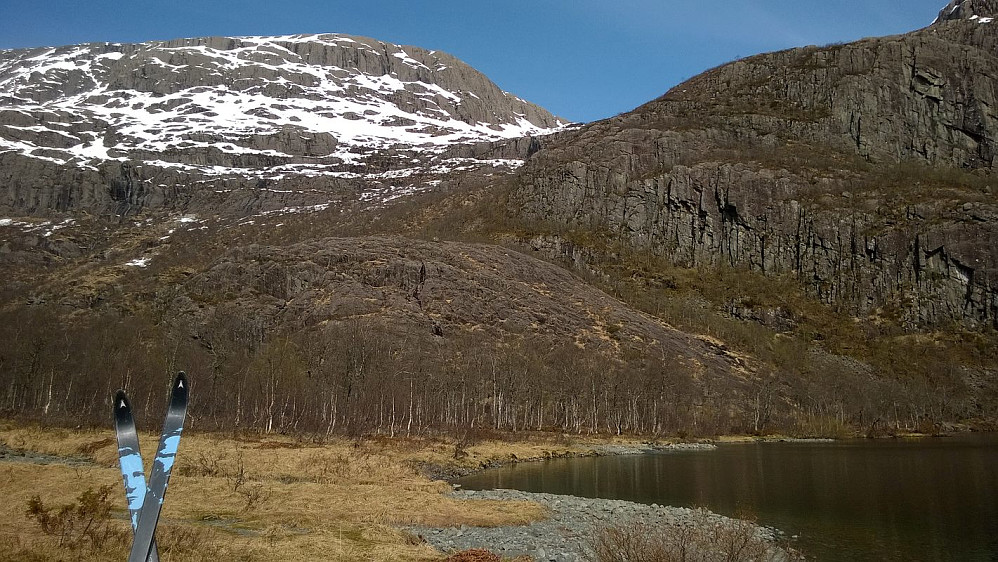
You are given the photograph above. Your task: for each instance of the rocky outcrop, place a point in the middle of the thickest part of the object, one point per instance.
(863, 170)
(929, 96)
(968, 10)
(429, 287)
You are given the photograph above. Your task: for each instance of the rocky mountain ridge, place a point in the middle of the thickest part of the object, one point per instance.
(974, 10)
(240, 110)
(864, 171)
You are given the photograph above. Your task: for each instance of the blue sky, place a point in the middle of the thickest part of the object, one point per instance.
(581, 59)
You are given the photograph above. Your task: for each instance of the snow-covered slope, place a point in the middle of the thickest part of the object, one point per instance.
(263, 107)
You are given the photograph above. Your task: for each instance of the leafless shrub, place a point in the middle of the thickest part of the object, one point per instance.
(207, 463)
(703, 537)
(85, 523)
(189, 543)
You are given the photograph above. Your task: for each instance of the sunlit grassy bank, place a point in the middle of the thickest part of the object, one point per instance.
(253, 497)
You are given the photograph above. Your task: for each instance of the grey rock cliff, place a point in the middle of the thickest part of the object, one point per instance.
(863, 170)
(967, 9)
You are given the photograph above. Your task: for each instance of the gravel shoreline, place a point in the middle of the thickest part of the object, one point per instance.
(563, 537)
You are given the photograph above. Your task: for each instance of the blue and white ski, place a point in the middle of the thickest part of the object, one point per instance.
(152, 504)
(130, 460)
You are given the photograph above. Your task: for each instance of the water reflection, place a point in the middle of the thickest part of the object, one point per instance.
(934, 499)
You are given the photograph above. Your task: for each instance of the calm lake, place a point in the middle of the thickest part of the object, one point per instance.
(927, 499)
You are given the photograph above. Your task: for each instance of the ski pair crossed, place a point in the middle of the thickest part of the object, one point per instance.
(145, 502)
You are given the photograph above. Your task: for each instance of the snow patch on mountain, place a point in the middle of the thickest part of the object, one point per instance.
(264, 107)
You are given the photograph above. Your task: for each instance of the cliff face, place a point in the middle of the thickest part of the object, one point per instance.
(863, 170)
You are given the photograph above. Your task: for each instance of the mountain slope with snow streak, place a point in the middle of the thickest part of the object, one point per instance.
(264, 107)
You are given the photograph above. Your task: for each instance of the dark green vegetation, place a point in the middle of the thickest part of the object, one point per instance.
(798, 242)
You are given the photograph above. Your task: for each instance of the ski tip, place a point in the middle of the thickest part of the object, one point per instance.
(181, 383)
(121, 401)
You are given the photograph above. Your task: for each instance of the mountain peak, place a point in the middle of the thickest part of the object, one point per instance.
(250, 106)
(982, 11)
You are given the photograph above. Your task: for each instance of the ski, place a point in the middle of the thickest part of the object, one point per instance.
(165, 455)
(130, 461)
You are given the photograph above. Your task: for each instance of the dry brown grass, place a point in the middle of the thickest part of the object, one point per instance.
(702, 538)
(264, 498)
(473, 555)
